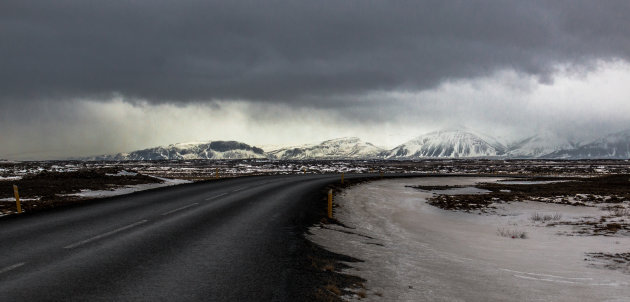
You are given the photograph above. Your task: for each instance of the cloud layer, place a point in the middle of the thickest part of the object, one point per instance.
(291, 51)
(92, 77)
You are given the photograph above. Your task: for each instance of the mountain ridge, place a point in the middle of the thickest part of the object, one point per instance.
(612, 146)
(448, 144)
(445, 143)
(196, 150)
(339, 148)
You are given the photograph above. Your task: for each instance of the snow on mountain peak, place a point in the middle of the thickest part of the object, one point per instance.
(188, 145)
(339, 148)
(192, 150)
(538, 145)
(449, 143)
(443, 143)
(612, 146)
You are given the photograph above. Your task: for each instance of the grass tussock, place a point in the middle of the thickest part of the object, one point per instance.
(514, 234)
(620, 212)
(537, 217)
(333, 289)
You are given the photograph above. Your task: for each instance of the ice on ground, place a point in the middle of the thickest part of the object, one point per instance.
(423, 253)
(122, 173)
(129, 189)
(12, 199)
(529, 182)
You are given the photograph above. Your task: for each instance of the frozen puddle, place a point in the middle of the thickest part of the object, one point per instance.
(429, 254)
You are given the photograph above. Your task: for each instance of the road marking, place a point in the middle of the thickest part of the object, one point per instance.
(179, 209)
(239, 189)
(12, 267)
(213, 197)
(97, 237)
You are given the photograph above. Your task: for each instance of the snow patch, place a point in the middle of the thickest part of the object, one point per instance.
(122, 173)
(128, 189)
(423, 253)
(12, 199)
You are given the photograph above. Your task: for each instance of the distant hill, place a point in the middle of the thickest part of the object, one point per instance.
(612, 146)
(341, 148)
(447, 143)
(539, 145)
(196, 150)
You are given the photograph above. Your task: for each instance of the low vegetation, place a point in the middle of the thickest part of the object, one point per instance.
(618, 261)
(614, 189)
(51, 189)
(620, 212)
(537, 217)
(514, 234)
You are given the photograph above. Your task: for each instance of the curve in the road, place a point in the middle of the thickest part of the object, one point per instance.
(233, 240)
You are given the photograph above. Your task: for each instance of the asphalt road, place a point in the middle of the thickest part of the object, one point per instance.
(230, 240)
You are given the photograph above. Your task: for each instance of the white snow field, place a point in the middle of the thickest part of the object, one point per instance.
(129, 189)
(418, 252)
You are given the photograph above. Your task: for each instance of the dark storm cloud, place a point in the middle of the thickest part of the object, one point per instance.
(290, 51)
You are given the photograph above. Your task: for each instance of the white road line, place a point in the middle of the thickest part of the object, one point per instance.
(239, 189)
(179, 209)
(97, 237)
(213, 197)
(12, 267)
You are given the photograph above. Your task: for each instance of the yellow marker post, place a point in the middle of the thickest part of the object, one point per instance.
(17, 198)
(330, 203)
(342, 178)
(381, 174)
(216, 173)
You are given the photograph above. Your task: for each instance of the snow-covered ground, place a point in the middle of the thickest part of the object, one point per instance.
(128, 189)
(12, 199)
(416, 252)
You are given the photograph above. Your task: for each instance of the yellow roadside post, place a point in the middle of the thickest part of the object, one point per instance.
(342, 178)
(381, 174)
(17, 198)
(216, 173)
(330, 203)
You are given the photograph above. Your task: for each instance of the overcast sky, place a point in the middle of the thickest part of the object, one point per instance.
(93, 77)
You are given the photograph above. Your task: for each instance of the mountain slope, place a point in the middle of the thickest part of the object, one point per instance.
(196, 150)
(539, 145)
(341, 148)
(448, 144)
(613, 146)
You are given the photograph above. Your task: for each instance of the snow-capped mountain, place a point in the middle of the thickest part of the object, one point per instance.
(195, 150)
(341, 148)
(613, 146)
(450, 144)
(539, 145)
